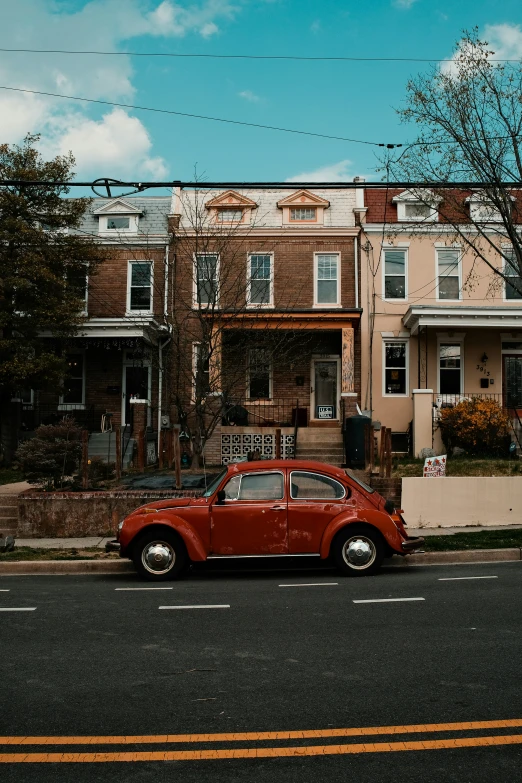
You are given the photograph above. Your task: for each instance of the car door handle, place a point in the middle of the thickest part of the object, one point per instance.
(278, 508)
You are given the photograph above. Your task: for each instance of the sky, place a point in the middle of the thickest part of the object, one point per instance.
(356, 100)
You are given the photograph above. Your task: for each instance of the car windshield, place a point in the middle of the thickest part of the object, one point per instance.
(359, 482)
(215, 484)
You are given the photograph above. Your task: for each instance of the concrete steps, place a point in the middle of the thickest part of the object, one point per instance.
(320, 445)
(8, 515)
(103, 445)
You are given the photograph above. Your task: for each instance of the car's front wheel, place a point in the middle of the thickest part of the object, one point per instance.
(158, 556)
(358, 550)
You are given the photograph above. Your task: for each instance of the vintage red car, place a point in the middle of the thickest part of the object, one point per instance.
(273, 508)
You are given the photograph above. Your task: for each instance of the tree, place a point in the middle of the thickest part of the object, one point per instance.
(219, 333)
(469, 113)
(43, 267)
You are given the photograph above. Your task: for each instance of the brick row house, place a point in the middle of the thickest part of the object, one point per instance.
(438, 325)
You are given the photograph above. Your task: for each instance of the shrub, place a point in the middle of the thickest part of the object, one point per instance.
(99, 471)
(52, 454)
(479, 426)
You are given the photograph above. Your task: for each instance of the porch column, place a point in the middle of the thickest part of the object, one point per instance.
(422, 420)
(347, 363)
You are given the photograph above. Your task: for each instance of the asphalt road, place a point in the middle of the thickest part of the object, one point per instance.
(93, 668)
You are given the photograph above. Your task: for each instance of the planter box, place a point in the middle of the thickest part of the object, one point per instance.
(75, 514)
(459, 501)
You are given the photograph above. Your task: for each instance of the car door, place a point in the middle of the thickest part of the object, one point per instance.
(253, 517)
(314, 499)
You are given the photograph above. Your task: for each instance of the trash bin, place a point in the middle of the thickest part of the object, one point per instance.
(356, 432)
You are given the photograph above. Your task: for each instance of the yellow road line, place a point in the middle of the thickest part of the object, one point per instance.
(255, 736)
(256, 753)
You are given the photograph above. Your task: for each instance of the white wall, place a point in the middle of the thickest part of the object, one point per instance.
(453, 501)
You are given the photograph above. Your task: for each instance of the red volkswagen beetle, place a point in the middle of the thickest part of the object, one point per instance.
(275, 508)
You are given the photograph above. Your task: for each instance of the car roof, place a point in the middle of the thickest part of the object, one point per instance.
(293, 464)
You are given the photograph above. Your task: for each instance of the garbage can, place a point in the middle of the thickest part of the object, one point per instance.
(356, 430)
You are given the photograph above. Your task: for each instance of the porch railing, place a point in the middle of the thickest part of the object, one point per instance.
(510, 402)
(35, 415)
(277, 412)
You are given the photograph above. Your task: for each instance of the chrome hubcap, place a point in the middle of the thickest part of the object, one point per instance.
(359, 552)
(158, 557)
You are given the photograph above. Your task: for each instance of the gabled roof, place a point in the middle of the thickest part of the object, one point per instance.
(230, 199)
(419, 194)
(118, 206)
(303, 198)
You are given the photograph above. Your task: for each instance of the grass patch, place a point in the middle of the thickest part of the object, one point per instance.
(10, 476)
(461, 466)
(487, 539)
(28, 553)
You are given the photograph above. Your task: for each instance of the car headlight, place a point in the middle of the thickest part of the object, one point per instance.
(121, 525)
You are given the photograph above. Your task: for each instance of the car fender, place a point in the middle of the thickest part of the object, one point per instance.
(134, 526)
(377, 519)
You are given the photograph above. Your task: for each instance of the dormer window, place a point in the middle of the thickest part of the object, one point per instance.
(303, 207)
(118, 217)
(229, 215)
(303, 214)
(230, 209)
(482, 210)
(418, 206)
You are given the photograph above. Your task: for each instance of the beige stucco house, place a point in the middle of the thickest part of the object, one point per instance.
(438, 324)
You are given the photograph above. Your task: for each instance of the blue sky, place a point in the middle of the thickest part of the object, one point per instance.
(354, 100)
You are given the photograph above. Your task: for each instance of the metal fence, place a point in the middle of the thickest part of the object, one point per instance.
(277, 412)
(35, 415)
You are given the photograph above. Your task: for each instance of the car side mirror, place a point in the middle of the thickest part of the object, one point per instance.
(221, 497)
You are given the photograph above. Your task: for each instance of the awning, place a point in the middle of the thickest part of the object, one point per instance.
(459, 316)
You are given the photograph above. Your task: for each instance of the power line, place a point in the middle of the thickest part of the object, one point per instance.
(261, 56)
(199, 117)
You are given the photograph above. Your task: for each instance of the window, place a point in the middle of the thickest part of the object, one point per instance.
(314, 486)
(511, 270)
(73, 385)
(260, 280)
(483, 211)
(229, 215)
(303, 214)
(139, 296)
(259, 374)
(395, 274)
(232, 488)
(450, 368)
(395, 368)
(118, 223)
(201, 370)
(327, 279)
(415, 210)
(206, 280)
(262, 486)
(448, 274)
(419, 206)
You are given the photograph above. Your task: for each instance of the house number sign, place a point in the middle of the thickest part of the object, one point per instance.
(325, 412)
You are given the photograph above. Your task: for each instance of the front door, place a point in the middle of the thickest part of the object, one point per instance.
(253, 517)
(324, 388)
(512, 382)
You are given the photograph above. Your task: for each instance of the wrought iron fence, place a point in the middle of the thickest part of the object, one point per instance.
(35, 415)
(277, 412)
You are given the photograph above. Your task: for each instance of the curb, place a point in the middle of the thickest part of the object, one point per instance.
(52, 567)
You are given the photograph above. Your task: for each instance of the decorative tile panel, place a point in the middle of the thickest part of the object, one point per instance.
(235, 447)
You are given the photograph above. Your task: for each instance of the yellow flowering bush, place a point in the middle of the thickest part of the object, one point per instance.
(480, 426)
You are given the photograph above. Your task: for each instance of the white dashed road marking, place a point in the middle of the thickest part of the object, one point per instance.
(198, 606)
(17, 609)
(386, 600)
(143, 588)
(461, 578)
(312, 584)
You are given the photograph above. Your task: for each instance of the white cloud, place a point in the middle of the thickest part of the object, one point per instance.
(248, 95)
(505, 40)
(105, 25)
(335, 172)
(405, 4)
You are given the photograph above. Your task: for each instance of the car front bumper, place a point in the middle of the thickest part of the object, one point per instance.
(112, 546)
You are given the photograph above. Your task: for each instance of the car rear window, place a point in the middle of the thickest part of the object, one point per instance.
(314, 486)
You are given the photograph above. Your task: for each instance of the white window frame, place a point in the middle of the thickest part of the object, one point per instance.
(103, 224)
(75, 406)
(327, 305)
(458, 250)
(507, 249)
(445, 340)
(405, 250)
(197, 305)
(150, 310)
(390, 341)
(402, 216)
(257, 305)
(475, 204)
(270, 379)
(221, 211)
(302, 220)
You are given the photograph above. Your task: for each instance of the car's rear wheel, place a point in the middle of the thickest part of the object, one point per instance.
(358, 550)
(159, 555)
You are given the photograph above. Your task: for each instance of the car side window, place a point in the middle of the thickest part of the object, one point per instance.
(314, 486)
(232, 488)
(262, 486)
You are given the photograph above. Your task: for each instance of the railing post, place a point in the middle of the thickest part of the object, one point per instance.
(388, 453)
(141, 454)
(85, 459)
(118, 453)
(382, 447)
(161, 455)
(177, 455)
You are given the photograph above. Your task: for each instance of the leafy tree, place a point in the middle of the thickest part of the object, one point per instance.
(43, 265)
(479, 426)
(468, 114)
(52, 455)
